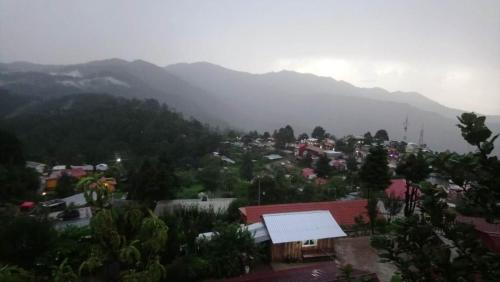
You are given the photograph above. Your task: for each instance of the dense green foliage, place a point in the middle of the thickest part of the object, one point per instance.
(431, 245)
(381, 135)
(154, 180)
(481, 168)
(374, 173)
(323, 168)
(65, 186)
(283, 136)
(24, 239)
(17, 181)
(415, 169)
(94, 128)
(246, 168)
(318, 133)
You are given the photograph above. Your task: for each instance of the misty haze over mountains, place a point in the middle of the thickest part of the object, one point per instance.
(263, 102)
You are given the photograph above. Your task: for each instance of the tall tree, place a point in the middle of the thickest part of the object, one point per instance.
(323, 168)
(415, 169)
(483, 178)
(11, 151)
(306, 160)
(374, 173)
(318, 132)
(381, 135)
(24, 240)
(302, 136)
(17, 181)
(284, 136)
(129, 254)
(393, 205)
(210, 173)
(372, 211)
(65, 186)
(246, 168)
(433, 247)
(368, 138)
(154, 180)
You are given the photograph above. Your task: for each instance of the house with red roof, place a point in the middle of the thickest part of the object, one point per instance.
(308, 173)
(344, 212)
(489, 233)
(397, 189)
(52, 179)
(301, 231)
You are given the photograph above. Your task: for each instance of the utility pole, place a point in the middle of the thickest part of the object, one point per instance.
(258, 179)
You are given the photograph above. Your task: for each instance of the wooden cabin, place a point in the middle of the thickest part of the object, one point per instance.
(297, 236)
(303, 250)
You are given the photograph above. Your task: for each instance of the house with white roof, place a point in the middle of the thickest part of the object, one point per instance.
(297, 236)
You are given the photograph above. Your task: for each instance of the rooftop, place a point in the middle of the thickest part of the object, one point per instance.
(398, 189)
(217, 204)
(343, 212)
(301, 226)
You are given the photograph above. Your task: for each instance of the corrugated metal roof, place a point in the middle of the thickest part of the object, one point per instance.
(301, 226)
(259, 232)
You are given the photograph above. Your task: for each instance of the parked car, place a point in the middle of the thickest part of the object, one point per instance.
(54, 205)
(69, 214)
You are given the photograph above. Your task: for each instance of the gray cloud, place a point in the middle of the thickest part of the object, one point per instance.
(447, 50)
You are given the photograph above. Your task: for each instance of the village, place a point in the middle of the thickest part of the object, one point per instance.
(304, 202)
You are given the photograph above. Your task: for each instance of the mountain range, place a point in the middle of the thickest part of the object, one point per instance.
(233, 99)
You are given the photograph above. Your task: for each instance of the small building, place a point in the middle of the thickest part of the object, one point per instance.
(101, 167)
(332, 154)
(52, 179)
(227, 160)
(320, 181)
(489, 233)
(308, 173)
(215, 204)
(77, 200)
(59, 167)
(340, 164)
(257, 230)
(397, 189)
(273, 157)
(315, 151)
(39, 167)
(412, 148)
(297, 236)
(85, 167)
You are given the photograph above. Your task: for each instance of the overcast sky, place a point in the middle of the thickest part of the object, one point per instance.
(446, 50)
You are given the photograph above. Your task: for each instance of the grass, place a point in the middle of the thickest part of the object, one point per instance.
(190, 192)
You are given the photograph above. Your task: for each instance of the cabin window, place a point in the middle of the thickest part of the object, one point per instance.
(309, 243)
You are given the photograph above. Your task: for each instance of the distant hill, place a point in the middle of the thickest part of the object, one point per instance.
(241, 100)
(95, 128)
(305, 100)
(137, 79)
